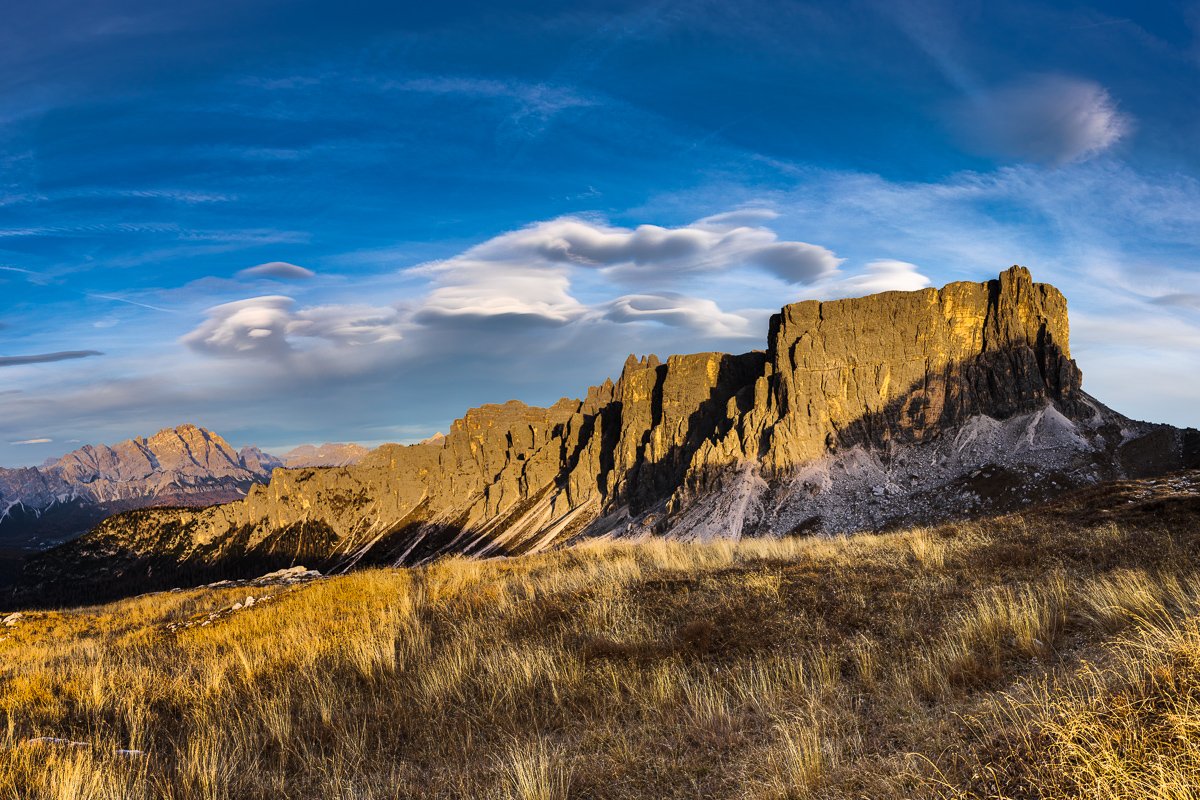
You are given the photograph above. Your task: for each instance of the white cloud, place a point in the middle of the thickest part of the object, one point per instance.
(268, 327)
(645, 254)
(350, 325)
(277, 269)
(797, 262)
(1050, 119)
(496, 297)
(883, 275)
(33, 441)
(526, 277)
(738, 218)
(572, 269)
(565, 271)
(257, 326)
(480, 288)
(704, 316)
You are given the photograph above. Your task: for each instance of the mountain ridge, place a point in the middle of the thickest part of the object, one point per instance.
(894, 408)
(181, 465)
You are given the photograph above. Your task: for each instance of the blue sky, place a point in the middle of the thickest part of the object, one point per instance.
(299, 222)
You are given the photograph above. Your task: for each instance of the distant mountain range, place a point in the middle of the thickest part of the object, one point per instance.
(899, 408)
(182, 466)
(325, 455)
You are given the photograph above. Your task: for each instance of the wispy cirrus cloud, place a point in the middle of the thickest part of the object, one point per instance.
(118, 299)
(32, 276)
(183, 196)
(539, 98)
(533, 104)
(47, 358)
(1186, 300)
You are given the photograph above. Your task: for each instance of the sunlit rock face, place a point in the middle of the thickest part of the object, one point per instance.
(907, 365)
(173, 462)
(859, 414)
(186, 465)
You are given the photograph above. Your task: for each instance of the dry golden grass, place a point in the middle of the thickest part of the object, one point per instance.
(1008, 658)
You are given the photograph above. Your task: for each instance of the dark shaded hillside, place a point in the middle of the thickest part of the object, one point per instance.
(11, 561)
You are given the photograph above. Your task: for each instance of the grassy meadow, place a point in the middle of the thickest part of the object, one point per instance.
(1020, 657)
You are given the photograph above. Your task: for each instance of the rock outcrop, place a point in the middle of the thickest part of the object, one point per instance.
(862, 413)
(187, 466)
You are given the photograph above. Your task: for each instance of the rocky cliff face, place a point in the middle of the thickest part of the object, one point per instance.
(861, 413)
(186, 465)
(176, 462)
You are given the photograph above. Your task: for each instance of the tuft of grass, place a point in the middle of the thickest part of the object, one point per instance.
(797, 761)
(535, 771)
(926, 549)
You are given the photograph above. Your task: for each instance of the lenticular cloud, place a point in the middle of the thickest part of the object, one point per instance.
(647, 253)
(1049, 119)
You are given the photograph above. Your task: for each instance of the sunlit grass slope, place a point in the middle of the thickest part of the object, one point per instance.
(1020, 657)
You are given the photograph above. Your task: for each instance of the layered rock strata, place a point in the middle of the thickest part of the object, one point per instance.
(861, 413)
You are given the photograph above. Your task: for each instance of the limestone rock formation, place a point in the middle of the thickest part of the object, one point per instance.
(259, 462)
(187, 465)
(895, 408)
(176, 461)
